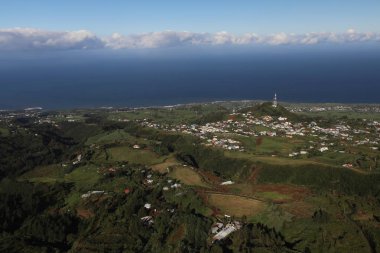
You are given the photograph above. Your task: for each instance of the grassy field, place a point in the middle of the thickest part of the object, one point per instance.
(140, 156)
(117, 185)
(49, 173)
(187, 176)
(84, 177)
(245, 188)
(4, 131)
(274, 196)
(115, 136)
(73, 199)
(338, 114)
(108, 137)
(276, 144)
(163, 167)
(275, 150)
(268, 145)
(236, 205)
(275, 160)
(269, 192)
(273, 216)
(169, 115)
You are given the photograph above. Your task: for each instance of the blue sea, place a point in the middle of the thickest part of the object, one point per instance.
(82, 79)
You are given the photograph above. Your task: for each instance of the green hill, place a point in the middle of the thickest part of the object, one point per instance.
(266, 108)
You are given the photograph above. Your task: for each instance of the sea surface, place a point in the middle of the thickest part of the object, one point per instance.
(72, 79)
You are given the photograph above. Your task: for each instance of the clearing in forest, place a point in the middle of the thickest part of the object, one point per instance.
(187, 176)
(163, 167)
(236, 205)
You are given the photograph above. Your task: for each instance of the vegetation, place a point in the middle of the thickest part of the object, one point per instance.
(323, 179)
(266, 108)
(83, 186)
(187, 176)
(236, 205)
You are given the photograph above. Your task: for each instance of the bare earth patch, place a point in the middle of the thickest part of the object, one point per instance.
(84, 213)
(210, 177)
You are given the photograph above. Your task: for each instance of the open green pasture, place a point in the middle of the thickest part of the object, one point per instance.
(168, 115)
(266, 145)
(4, 131)
(339, 114)
(138, 156)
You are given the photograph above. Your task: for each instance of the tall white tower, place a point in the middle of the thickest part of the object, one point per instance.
(275, 100)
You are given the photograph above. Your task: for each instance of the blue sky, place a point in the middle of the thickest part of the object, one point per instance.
(122, 24)
(125, 17)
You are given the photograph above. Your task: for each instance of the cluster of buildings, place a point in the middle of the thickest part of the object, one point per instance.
(336, 108)
(221, 230)
(317, 136)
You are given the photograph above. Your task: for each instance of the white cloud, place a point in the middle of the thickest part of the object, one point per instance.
(35, 39)
(31, 39)
(171, 38)
(150, 40)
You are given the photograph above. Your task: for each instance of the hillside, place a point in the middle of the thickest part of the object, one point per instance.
(167, 180)
(266, 108)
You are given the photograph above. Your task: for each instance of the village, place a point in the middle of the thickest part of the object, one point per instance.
(317, 136)
(337, 137)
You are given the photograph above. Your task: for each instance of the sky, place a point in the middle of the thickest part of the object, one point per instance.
(121, 16)
(118, 24)
(84, 53)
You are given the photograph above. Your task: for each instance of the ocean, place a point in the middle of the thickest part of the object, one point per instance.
(82, 79)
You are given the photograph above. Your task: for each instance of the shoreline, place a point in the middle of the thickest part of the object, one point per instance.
(168, 106)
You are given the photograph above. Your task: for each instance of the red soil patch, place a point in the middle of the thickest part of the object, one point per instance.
(259, 141)
(204, 196)
(84, 213)
(232, 117)
(363, 216)
(296, 192)
(210, 177)
(254, 175)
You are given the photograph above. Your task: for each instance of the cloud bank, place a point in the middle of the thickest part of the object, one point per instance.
(35, 39)
(31, 39)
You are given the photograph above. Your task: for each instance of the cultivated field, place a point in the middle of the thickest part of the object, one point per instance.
(187, 176)
(138, 156)
(236, 205)
(163, 167)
